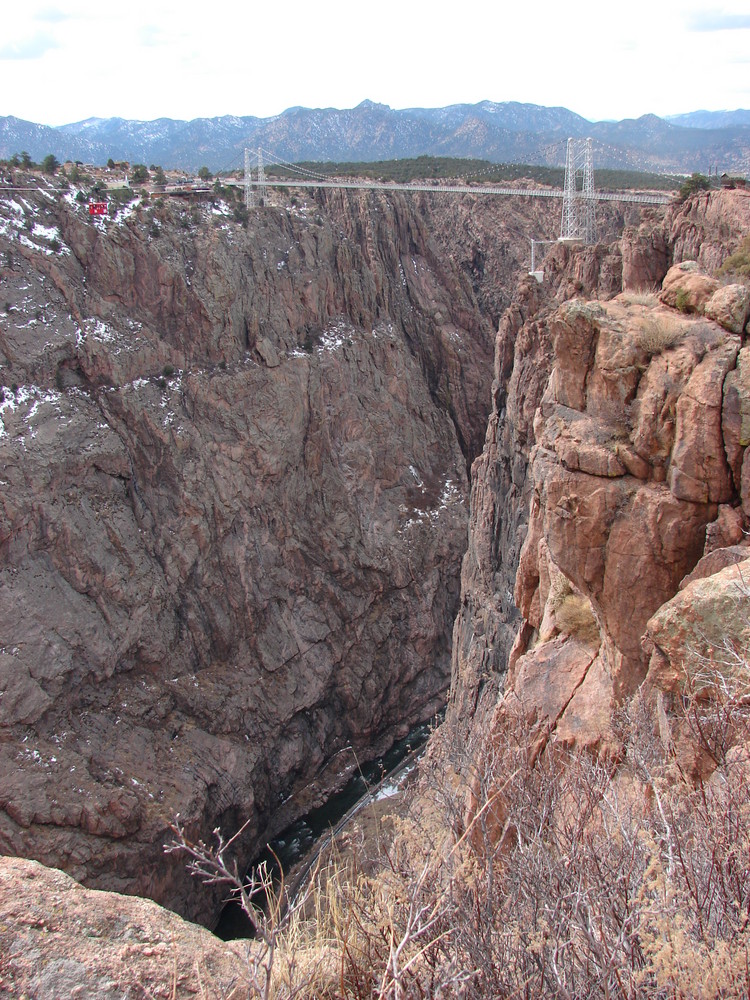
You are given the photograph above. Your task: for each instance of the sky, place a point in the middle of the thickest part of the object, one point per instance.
(62, 62)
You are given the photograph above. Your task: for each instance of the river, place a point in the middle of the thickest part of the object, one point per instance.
(376, 779)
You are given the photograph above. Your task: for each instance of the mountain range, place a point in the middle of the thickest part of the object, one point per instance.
(501, 132)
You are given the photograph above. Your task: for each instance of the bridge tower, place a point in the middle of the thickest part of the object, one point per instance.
(579, 205)
(255, 193)
(262, 186)
(249, 189)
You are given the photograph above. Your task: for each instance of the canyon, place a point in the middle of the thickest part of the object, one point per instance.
(234, 506)
(237, 467)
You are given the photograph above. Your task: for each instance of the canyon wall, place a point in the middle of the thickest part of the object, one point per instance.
(234, 505)
(233, 508)
(613, 475)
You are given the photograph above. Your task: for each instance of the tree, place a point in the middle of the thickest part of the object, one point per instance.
(139, 173)
(205, 174)
(50, 164)
(26, 162)
(111, 163)
(159, 176)
(696, 182)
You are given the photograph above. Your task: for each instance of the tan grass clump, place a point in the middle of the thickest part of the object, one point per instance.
(642, 298)
(658, 333)
(575, 616)
(573, 613)
(737, 266)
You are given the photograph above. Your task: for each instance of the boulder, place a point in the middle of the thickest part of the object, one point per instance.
(715, 561)
(686, 288)
(58, 939)
(729, 307)
(702, 630)
(727, 530)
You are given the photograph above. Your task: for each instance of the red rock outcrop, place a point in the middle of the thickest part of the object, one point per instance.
(488, 619)
(629, 447)
(706, 228)
(623, 537)
(58, 939)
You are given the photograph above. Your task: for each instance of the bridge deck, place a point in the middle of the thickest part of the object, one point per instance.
(650, 198)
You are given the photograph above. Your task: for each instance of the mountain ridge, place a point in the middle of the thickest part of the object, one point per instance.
(501, 132)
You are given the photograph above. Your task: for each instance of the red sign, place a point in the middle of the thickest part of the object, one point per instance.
(97, 208)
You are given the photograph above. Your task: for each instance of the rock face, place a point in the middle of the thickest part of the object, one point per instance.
(706, 229)
(488, 619)
(58, 939)
(615, 459)
(705, 622)
(232, 516)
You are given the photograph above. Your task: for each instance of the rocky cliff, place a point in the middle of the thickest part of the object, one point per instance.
(234, 502)
(234, 484)
(58, 939)
(216, 578)
(613, 473)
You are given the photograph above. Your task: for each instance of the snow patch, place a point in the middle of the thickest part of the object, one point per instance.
(450, 496)
(96, 330)
(334, 337)
(384, 330)
(33, 396)
(124, 213)
(46, 232)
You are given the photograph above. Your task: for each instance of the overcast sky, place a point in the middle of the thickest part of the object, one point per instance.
(63, 62)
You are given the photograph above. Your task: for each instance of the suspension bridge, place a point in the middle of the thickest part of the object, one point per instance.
(578, 195)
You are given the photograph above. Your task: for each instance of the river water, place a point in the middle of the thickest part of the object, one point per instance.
(299, 840)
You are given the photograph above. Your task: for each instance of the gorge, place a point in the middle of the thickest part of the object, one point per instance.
(236, 482)
(234, 508)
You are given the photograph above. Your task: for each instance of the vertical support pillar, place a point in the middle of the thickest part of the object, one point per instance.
(579, 207)
(249, 192)
(262, 186)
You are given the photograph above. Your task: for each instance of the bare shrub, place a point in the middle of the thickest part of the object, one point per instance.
(526, 869)
(564, 876)
(276, 967)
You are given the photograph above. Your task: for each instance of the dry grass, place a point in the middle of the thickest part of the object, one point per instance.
(575, 617)
(545, 874)
(573, 613)
(737, 266)
(628, 883)
(658, 333)
(642, 298)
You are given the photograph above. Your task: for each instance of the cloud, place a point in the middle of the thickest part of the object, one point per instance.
(710, 21)
(151, 36)
(53, 15)
(29, 48)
